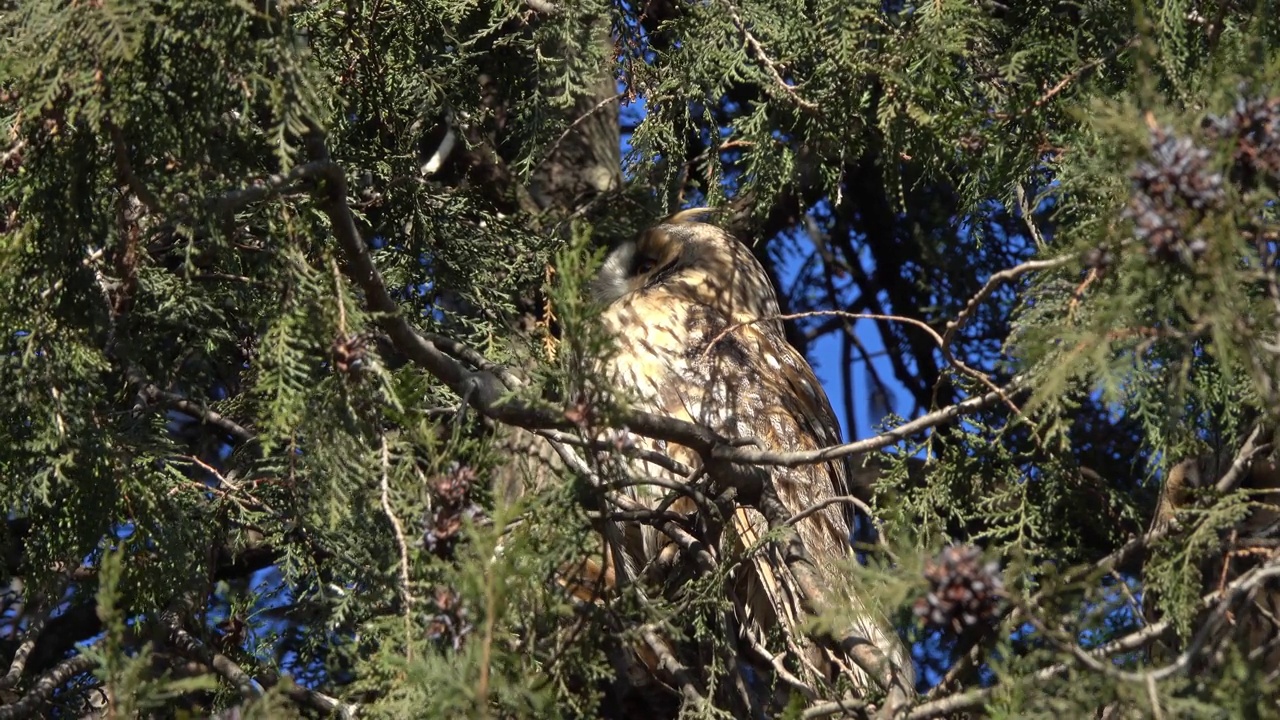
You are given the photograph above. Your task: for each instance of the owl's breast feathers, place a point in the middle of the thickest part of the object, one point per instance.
(743, 381)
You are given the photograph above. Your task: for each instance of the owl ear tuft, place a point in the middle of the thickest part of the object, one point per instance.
(689, 216)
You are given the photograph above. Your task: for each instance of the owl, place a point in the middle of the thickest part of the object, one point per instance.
(698, 337)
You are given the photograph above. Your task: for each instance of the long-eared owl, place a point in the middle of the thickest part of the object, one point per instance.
(698, 338)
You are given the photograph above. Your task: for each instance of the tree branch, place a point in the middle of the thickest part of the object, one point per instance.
(46, 686)
(233, 673)
(483, 390)
(902, 432)
(19, 663)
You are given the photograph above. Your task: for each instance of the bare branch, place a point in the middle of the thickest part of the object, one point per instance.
(837, 500)
(1243, 459)
(654, 457)
(14, 150)
(406, 596)
(46, 686)
(19, 663)
(777, 663)
(226, 667)
(668, 662)
(233, 673)
(758, 52)
(942, 342)
(996, 280)
(902, 432)
(124, 168)
(858, 708)
(1074, 75)
(152, 393)
(269, 187)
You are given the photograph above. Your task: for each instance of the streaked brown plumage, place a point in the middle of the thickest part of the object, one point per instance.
(698, 337)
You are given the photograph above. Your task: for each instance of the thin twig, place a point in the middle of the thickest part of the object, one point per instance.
(810, 457)
(676, 487)
(578, 121)
(778, 665)
(996, 280)
(337, 291)
(92, 257)
(1074, 75)
(1027, 218)
(12, 151)
(653, 457)
(757, 52)
(941, 341)
(840, 499)
(406, 596)
(824, 313)
(691, 546)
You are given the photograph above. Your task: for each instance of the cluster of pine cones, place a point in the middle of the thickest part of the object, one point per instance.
(452, 503)
(448, 620)
(1178, 185)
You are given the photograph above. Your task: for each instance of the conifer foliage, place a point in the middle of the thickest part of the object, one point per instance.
(300, 413)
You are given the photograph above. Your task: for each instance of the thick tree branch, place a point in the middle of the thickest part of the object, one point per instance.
(483, 390)
(219, 663)
(19, 662)
(237, 676)
(44, 688)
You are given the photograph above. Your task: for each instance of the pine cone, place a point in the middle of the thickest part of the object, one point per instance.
(1254, 125)
(1171, 192)
(453, 504)
(963, 590)
(450, 625)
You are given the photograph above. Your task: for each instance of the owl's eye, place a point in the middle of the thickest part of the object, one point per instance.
(645, 264)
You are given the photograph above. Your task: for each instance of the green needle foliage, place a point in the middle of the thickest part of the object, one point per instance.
(294, 294)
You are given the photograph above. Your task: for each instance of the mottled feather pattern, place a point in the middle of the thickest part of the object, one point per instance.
(698, 336)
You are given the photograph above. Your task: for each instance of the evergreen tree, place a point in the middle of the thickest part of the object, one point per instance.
(295, 322)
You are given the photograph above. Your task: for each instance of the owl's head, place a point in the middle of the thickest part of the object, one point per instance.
(692, 261)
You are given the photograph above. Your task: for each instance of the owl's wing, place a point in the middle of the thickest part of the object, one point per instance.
(779, 402)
